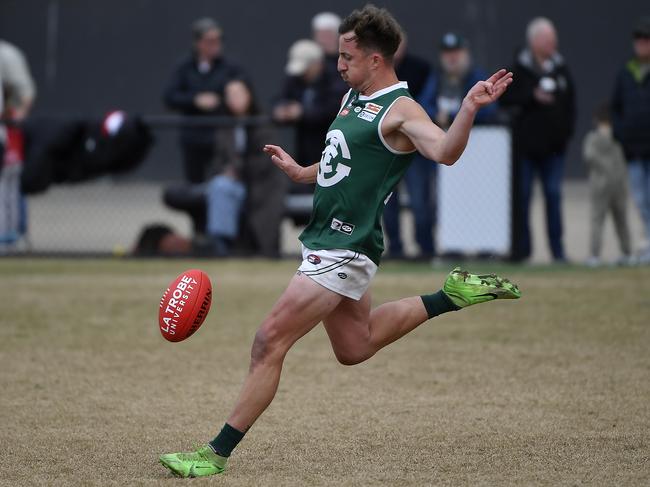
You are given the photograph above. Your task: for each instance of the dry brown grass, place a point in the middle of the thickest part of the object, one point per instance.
(551, 390)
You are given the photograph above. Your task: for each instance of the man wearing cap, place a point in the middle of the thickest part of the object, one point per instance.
(441, 94)
(415, 71)
(543, 117)
(448, 84)
(308, 99)
(631, 117)
(195, 88)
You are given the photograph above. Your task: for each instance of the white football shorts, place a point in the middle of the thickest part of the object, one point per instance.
(345, 272)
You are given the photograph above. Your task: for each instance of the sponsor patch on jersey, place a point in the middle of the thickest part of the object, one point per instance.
(344, 112)
(373, 108)
(368, 117)
(342, 227)
(313, 259)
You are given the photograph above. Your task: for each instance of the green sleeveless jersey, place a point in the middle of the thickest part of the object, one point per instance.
(357, 173)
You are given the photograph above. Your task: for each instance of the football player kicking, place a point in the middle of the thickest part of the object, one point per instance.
(368, 148)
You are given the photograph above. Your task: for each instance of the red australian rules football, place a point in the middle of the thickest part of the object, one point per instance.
(185, 305)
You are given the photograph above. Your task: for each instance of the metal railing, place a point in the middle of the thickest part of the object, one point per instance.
(106, 215)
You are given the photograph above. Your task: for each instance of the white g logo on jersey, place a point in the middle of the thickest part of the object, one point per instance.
(336, 141)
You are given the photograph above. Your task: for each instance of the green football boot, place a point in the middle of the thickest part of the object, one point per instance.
(200, 463)
(465, 289)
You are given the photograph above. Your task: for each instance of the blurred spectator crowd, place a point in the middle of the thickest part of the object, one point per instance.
(236, 198)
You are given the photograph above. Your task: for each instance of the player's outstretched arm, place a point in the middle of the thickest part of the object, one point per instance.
(294, 170)
(445, 148)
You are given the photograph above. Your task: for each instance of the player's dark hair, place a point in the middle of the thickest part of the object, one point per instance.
(375, 29)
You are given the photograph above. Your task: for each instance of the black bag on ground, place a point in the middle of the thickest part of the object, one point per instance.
(81, 150)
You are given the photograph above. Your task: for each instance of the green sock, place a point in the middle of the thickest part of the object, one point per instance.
(226, 441)
(438, 303)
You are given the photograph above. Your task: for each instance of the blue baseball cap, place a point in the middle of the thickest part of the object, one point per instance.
(452, 40)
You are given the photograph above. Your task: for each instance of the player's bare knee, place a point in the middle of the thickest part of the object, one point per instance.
(267, 344)
(261, 347)
(348, 361)
(258, 350)
(350, 358)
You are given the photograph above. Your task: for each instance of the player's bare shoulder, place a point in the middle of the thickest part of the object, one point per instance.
(402, 110)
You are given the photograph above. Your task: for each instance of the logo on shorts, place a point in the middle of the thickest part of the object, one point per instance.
(313, 259)
(342, 275)
(342, 227)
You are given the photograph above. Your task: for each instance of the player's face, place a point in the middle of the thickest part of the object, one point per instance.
(354, 63)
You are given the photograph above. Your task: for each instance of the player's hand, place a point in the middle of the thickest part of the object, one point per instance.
(285, 162)
(488, 91)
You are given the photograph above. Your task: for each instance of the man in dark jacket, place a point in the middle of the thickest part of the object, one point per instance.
(309, 99)
(440, 91)
(417, 180)
(446, 86)
(631, 117)
(196, 88)
(543, 103)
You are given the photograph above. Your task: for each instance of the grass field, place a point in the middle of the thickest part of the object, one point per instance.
(553, 389)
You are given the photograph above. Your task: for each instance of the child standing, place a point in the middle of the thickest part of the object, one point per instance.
(605, 161)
